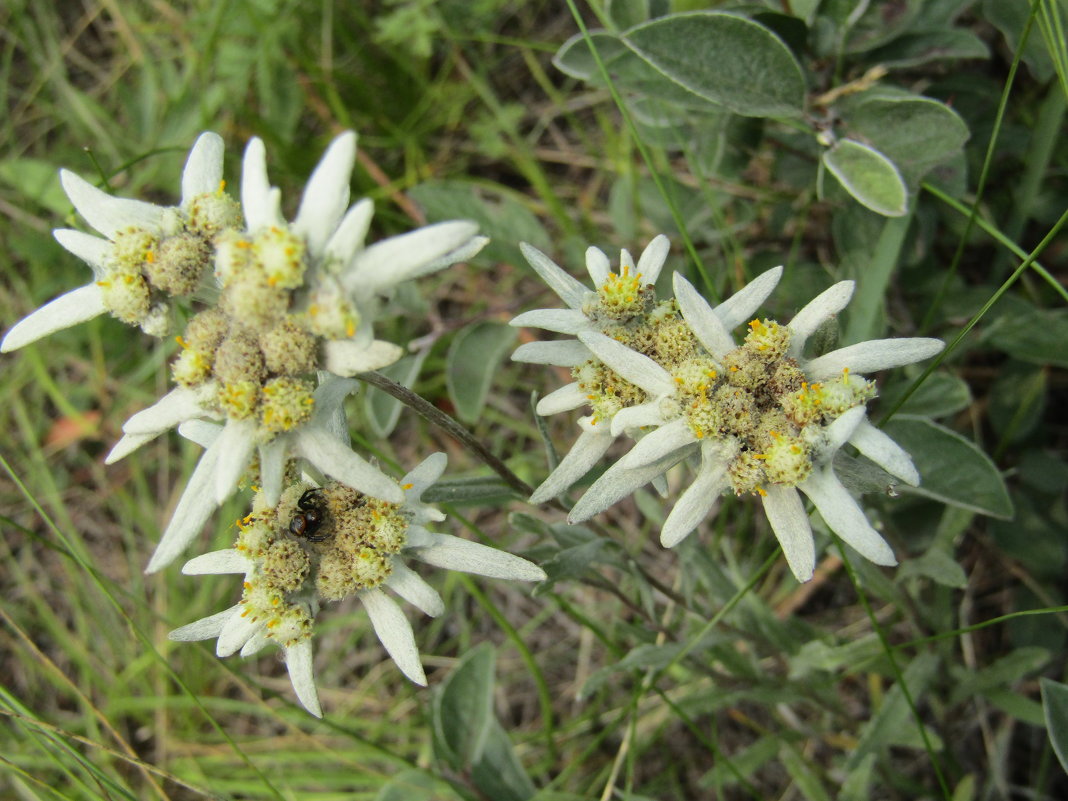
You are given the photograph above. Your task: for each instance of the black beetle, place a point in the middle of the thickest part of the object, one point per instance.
(307, 522)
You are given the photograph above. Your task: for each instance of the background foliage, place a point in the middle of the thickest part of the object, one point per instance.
(915, 147)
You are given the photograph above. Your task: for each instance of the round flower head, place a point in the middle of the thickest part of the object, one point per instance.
(148, 254)
(762, 418)
(229, 450)
(317, 269)
(318, 545)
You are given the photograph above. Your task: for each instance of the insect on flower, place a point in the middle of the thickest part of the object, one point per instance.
(307, 522)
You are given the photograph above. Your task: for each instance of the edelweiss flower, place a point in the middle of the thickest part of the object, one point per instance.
(229, 448)
(295, 298)
(319, 545)
(149, 253)
(623, 301)
(765, 419)
(322, 256)
(655, 329)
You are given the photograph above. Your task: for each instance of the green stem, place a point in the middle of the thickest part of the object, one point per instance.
(436, 417)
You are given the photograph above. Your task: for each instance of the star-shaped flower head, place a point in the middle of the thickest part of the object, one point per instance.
(319, 441)
(296, 298)
(319, 545)
(148, 254)
(315, 274)
(763, 418)
(621, 304)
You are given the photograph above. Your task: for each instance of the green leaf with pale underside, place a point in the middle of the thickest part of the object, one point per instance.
(869, 176)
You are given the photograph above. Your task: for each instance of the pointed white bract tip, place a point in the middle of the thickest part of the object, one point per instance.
(597, 265)
(651, 262)
(803, 575)
(455, 553)
(671, 538)
(207, 628)
(228, 560)
(69, 309)
(127, 445)
(542, 494)
(529, 251)
(74, 186)
(395, 633)
(203, 167)
(156, 564)
(425, 474)
(346, 140)
(301, 675)
(347, 358)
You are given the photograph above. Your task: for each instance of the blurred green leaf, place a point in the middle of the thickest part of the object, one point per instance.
(570, 563)
(746, 763)
(473, 359)
(817, 655)
(941, 395)
(893, 724)
(1055, 706)
(953, 470)
(1044, 471)
(869, 176)
(499, 774)
(805, 778)
(914, 49)
(965, 789)
(643, 657)
(1034, 536)
(881, 23)
(381, 409)
(462, 711)
(629, 72)
(1017, 401)
(915, 133)
(1004, 672)
(857, 785)
(1038, 336)
(725, 59)
(1010, 19)
(936, 565)
(415, 785)
(38, 181)
(628, 13)
(1016, 704)
(470, 490)
(866, 314)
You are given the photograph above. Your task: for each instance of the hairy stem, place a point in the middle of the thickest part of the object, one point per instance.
(434, 415)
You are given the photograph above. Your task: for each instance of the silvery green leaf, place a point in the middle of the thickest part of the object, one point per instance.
(869, 176)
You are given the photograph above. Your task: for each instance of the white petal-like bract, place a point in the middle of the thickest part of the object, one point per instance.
(76, 306)
(394, 632)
